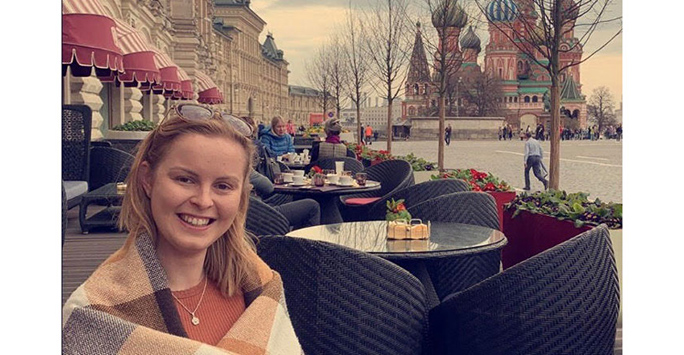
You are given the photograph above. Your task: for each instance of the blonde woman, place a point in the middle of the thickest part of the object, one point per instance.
(276, 139)
(187, 279)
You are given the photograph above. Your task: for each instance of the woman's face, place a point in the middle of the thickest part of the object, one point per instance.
(195, 192)
(280, 128)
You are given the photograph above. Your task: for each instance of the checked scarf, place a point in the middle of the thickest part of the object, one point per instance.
(126, 307)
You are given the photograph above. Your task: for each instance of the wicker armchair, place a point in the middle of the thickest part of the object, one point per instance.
(350, 164)
(64, 212)
(562, 301)
(393, 175)
(343, 301)
(415, 194)
(76, 125)
(262, 219)
(108, 165)
(454, 274)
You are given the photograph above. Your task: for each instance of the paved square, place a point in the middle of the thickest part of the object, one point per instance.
(588, 166)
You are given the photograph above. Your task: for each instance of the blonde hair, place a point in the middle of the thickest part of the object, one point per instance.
(229, 259)
(275, 120)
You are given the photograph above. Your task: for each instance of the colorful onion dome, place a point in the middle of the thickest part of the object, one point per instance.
(470, 40)
(502, 11)
(449, 14)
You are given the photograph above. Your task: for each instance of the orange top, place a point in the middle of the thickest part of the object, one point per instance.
(369, 131)
(217, 314)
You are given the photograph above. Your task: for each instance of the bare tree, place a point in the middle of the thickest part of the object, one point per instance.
(601, 107)
(318, 74)
(356, 62)
(448, 18)
(338, 72)
(386, 48)
(541, 29)
(482, 94)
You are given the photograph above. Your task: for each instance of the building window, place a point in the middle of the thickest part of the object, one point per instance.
(534, 98)
(527, 99)
(515, 99)
(415, 89)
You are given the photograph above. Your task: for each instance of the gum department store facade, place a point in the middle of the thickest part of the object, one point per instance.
(213, 46)
(523, 82)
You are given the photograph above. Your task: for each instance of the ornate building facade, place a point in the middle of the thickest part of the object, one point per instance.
(214, 44)
(522, 81)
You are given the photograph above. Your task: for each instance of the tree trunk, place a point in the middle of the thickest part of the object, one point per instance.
(554, 165)
(358, 123)
(440, 140)
(389, 125)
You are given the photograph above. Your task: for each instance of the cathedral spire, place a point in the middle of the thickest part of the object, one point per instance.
(418, 70)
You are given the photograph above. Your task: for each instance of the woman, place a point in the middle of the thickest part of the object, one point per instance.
(290, 128)
(332, 147)
(275, 138)
(187, 279)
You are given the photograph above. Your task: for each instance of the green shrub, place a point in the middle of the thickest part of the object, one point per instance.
(141, 125)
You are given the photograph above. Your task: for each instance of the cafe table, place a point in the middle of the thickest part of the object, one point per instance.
(449, 244)
(326, 195)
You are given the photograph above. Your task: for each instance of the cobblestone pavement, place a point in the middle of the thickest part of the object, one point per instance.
(590, 166)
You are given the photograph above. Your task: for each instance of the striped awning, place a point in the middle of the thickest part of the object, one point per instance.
(208, 91)
(138, 59)
(170, 82)
(88, 39)
(186, 92)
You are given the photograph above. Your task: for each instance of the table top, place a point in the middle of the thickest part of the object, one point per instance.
(326, 189)
(446, 238)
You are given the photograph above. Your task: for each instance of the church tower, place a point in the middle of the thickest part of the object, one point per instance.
(418, 85)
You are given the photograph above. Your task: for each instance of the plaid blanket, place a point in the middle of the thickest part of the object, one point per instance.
(126, 307)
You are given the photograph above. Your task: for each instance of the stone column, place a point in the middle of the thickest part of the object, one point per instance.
(86, 91)
(132, 105)
(158, 108)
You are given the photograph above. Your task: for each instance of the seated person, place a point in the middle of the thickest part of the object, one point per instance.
(301, 213)
(275, 138)
(333, 146)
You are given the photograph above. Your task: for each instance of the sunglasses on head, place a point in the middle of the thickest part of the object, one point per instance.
(194, 112)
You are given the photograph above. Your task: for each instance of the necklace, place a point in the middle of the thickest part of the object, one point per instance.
(194, 319)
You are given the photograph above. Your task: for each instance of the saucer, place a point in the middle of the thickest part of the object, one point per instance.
(298, 184)
(345, 185)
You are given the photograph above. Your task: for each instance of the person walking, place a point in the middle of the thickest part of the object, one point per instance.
(618, 130)
(533, 160)
(502, 132)
(447, 134)
(369, 135)
(510, 132)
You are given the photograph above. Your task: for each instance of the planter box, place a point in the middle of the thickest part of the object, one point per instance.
(126, 140)
(502, 198)
(529, 234)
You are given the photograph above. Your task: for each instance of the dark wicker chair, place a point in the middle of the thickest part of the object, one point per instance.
(343, 301)
(350, 164)
(564, 300)
(76, 125)
(415, 194)
(262, 219)
(277, 199)
(64, 213)
(108, 165)
(393, 175)
(454, 274)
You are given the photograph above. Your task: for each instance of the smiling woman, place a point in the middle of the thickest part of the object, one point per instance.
(187, 272)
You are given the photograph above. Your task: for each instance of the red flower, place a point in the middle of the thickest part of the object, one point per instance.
(489, 187)
(317, 169)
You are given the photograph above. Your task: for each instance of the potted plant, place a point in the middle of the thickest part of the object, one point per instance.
(536, 222)
(127, 136)
(486, 182)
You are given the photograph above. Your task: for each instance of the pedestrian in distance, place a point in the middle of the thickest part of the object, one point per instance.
(510, 132)
(187, 279)
(502, 132)
(618, 130)
(447, 134)
(533, 160)
(369, 135)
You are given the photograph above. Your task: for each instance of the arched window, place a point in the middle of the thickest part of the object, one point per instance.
(412, 111)
(527, 99)
(501, 73)
(515, 99)
(534, 98)
(415, 89)
(425, 89)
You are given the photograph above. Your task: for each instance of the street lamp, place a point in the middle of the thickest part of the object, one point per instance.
(458, 101)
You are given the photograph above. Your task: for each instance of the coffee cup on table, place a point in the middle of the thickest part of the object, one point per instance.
(298, 173)
(298, 180)
(339, 167)
(346, 180)
(361, 178)
(333, 178)
(287, 177)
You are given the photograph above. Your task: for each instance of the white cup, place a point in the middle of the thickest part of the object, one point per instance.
(287, 177)
(298, 172)
(332, 178)
(298, 180)
(346, 180)
(339, 167)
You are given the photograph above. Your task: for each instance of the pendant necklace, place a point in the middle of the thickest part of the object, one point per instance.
(194, 319)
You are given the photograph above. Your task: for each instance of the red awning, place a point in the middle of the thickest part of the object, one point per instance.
(88, 39)
(207, 89)
(138, 57)
(170, 82)
(186, 93)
